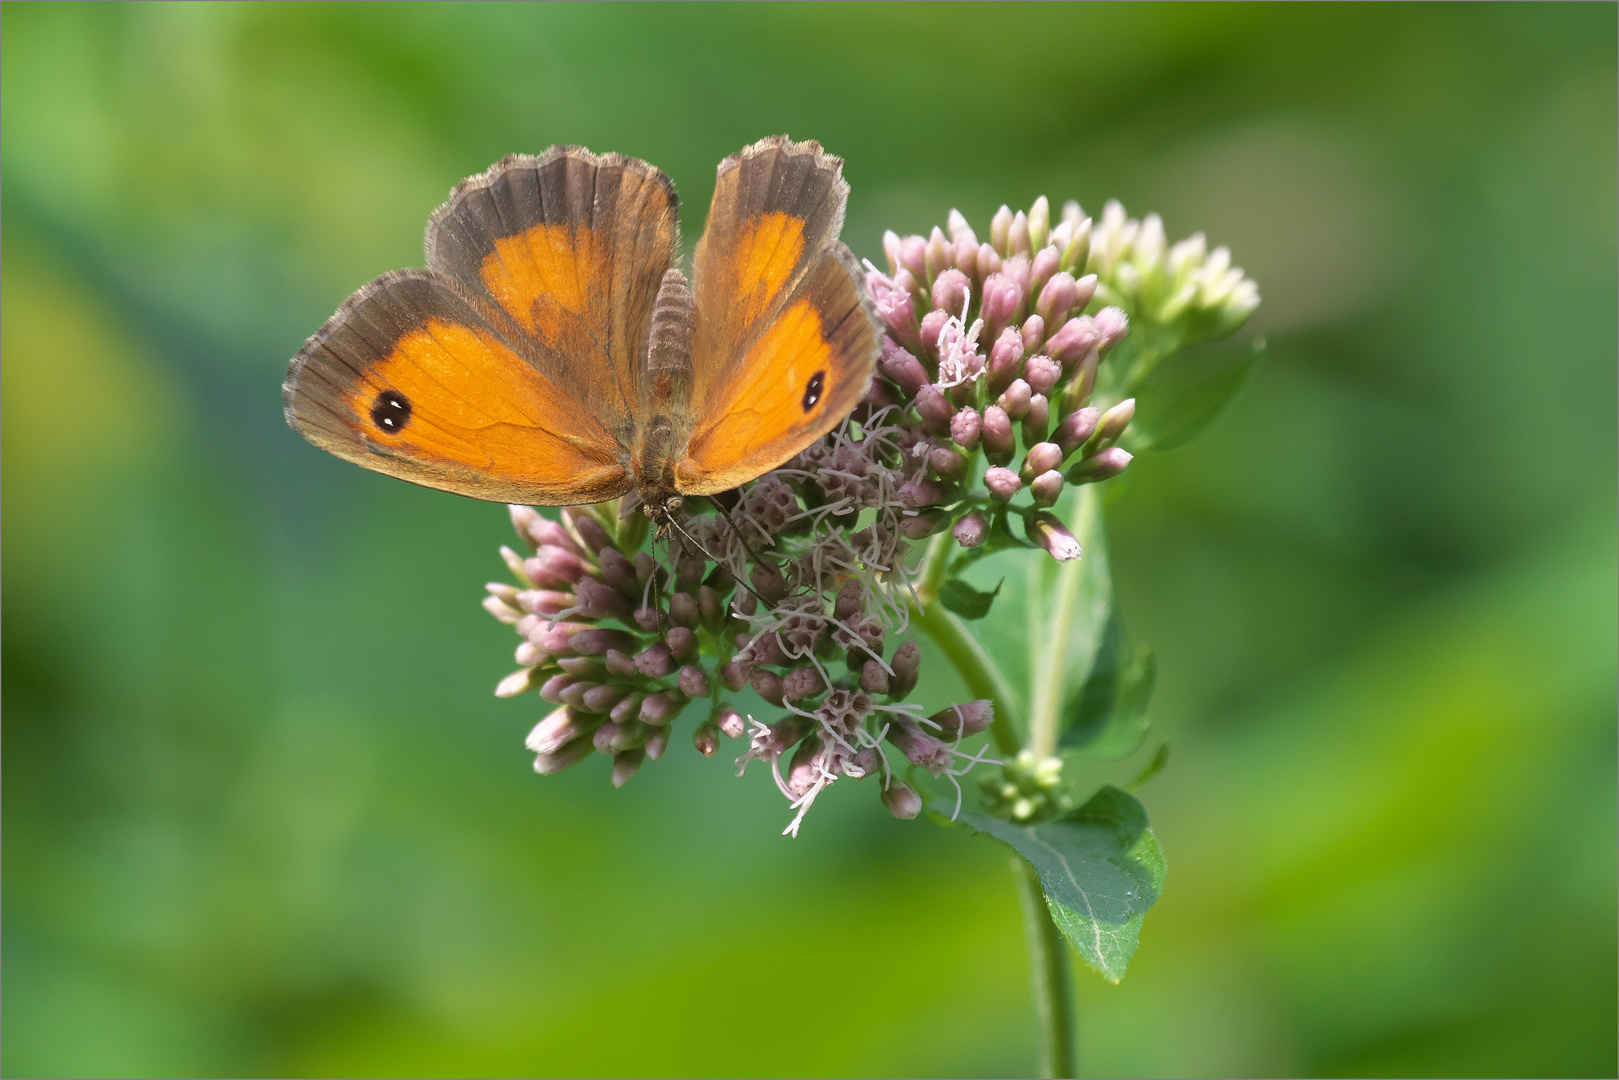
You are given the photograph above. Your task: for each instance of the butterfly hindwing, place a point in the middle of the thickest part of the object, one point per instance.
(783, 344)
(411, 379)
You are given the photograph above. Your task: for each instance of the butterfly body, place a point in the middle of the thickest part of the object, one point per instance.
(551, 353)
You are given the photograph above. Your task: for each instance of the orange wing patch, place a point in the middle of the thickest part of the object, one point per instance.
(768, 250)
(770, 411)
(541, 273)
(452, 394)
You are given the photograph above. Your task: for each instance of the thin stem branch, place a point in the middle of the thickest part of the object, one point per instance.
(1048, 975)
(1050, 683)
(975, 666)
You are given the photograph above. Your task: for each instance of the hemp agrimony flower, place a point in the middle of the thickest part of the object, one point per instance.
(991, 399)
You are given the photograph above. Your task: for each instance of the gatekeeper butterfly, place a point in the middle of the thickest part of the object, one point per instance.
(552, 354)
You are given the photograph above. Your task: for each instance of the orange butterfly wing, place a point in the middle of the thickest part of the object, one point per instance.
(783, 344)
(510, 369)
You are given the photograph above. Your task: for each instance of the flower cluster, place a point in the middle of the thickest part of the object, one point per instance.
(800, 585)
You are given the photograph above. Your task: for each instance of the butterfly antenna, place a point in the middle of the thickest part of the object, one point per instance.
(715, 559)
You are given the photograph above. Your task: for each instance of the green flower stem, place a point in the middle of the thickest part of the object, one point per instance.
(1048, 975)
(1050, 684)
(975, 666)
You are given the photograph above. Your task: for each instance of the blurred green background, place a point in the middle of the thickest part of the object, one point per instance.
(262, 815)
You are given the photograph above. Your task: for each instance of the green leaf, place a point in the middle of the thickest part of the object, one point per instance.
(966, 601)
(1185, 392)
(1160, 758)
(1106, 716)
(1101, 869)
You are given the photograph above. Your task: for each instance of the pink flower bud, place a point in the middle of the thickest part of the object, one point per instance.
(662, 707)
(1054, 536)
(1042, 457)
(966, 256)
(682, 642)
(1000, 228)
(1033, 333)
(764, 650)
(655, 661)
(938, 255)
(1042, 373)
(1017, 237)
(644, 566)
(1103, 466)
(599, 601)
(894, 305)
(683, 609)
(1016, 270)
(706, 738)
(1047, 488)
(1073, 339)
(901, 799)
(997, 435)
(922, 492)
(965, 428)
(913, 256)
(591, 531)
(767, 684)
(1016, 399)
(919, 748)
(989, 261)
(1001, 300)
(1113, 423)
(956, 222)
(932, 323)
(649, 619)
(950, 291)
(584, 667)
(545, 601)
(1037, 420)
(518, 682)
(625, 764)
(729, 721)
(557, 760)
(891, 249)
(551, 689)
(574, 694)
(907, 665)
(734, 675)
(1075, 428)
(656, 743)
(1005, 360)
(557, 639)
(554, 567)
(1042, 268)
(934, 408)
(964, 720)
(1112, 324)
(767, 582)
(1081, 382)
(801, 683)
(801, 771)
(693, 681)
(602, 698)
(971, 530)
(545, 532)
(873, 679)
(1057, 299)
(903, 368)
(596, 640)
(619, 572)
(923, 525)
(523, 517)
(1001, 483)
(947, 463)
(555, 731)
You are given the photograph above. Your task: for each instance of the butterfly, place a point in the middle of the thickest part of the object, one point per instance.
(553, 354)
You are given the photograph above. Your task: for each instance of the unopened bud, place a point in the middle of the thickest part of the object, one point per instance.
(923, 525)
(683, 610)
(767, 684)
(557, 760)
(656, 743)
(907, 665)
(514, 563)
(602, 698)
(655, 661)
(551, 689)
(599, 601)
(873, 678)
(1033, 334)
(1112, 324)
(1039, 222)
(964, 720)
(1042, 457)
(1042, 374)
(950, 291)
(1113, 423)
(966, 255)
(627, 709)
(768, 582)
(1047, 488)
(1001, 483)
(523, 517)
(1002, 297)
(971, 530)
(1042, 267)
(501, 610)
(932, 325)
(1015, 401)
(1017, 235)
(903, 368)
(946, 462)
(660, 708)
(1037, 421)
(596, 640)
(1073, 340)
(1075, 428)
(591, 531)
(919, 748)
(894, 305)
(989, 261)
(1000, 227)
(1103, 466)
(619, 572)
(555, 731)
(1005, 360)
(997, 435)
(891, 249)
(625, 763)
(1057, 298)
(801, 771)
(1076, 252)
(966, 427)
(706, 738)
(693, 682)
(518, 682)
(913, 256)
(938, 254)
(1051, 534)
(934, 408)
(901, 799)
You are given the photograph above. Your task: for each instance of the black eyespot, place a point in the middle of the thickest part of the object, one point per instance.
(391, 411)
(812, 392)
